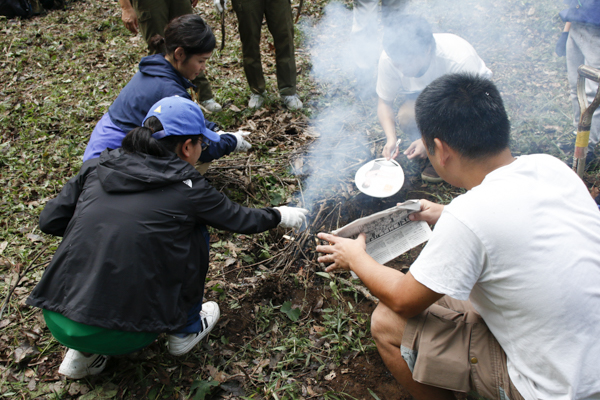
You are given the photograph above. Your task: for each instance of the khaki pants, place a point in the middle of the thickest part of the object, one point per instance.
(153, 17)
(278, 14)
(450, 346)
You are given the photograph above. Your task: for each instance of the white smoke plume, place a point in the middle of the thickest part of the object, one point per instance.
(503, 33)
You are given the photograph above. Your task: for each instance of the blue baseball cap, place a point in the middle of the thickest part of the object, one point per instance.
(180, 116)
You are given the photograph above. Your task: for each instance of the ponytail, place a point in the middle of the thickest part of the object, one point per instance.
(157, 45)
(140, 140)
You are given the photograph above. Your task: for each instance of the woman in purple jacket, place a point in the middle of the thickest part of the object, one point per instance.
(187, 46)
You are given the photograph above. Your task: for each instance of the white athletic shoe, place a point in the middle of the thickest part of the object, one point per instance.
(256, 100)
(211, 105)
(76, 366)
(292, 102)
(208, 316)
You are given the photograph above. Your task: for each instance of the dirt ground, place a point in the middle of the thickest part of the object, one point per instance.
(287, 329)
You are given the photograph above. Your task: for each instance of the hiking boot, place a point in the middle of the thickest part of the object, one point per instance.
(292, 102)
(76, 365)
(208, 316)
(429, 174)
(211, 105)
(256, 100)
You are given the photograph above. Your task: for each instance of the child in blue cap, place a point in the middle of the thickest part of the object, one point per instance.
(135, 251)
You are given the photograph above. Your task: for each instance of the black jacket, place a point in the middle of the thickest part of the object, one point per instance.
(134, 255)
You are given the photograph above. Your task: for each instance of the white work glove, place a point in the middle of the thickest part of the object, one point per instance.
(292, 217)
(242, 144)
(218, 5)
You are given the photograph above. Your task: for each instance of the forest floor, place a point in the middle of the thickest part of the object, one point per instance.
(288, 330)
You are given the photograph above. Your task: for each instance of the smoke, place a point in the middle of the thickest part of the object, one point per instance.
(344, 54)
(339, 122)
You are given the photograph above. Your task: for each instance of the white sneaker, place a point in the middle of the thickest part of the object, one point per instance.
(76, 366)
(208, 316)
(292, 102)
(211, 105)
(256, 100)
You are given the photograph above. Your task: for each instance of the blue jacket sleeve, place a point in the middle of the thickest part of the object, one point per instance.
(212, 126)
(217, 150)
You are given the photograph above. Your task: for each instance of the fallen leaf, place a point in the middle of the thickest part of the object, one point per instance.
(319, 329)
(77, 388)
(230, 261)
(35, 238)
(218, 376)
(330, 376)
(24, 351)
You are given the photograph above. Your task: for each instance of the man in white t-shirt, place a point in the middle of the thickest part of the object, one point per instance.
(504, 297)
(412, 58)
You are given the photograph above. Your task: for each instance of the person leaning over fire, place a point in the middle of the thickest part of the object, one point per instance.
(188, 44)
(412, 58)
(512, 265)
(135, 249)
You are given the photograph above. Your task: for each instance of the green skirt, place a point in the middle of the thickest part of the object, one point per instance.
(93, 339)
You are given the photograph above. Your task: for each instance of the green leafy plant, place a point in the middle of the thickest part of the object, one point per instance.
(200, 389)
(292, 313)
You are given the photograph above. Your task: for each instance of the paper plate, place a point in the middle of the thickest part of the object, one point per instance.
(380, 178)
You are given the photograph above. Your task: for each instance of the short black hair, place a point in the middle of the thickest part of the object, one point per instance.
(406, 36)
(465, 111)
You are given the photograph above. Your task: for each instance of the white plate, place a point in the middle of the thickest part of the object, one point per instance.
(380, 178)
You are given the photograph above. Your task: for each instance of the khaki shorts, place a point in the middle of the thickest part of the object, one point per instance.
(450, 346)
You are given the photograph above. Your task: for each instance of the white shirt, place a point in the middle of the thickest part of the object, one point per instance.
(524, 247)
(453, 54)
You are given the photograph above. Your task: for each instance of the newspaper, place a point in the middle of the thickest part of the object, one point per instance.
(389, 233)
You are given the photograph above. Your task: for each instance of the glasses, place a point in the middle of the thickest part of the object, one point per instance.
(204, 143)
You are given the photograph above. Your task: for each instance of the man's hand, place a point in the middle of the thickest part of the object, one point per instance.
(430, 212)
(340, 250)
(416, 150)
(390, 150)
(129, 17)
